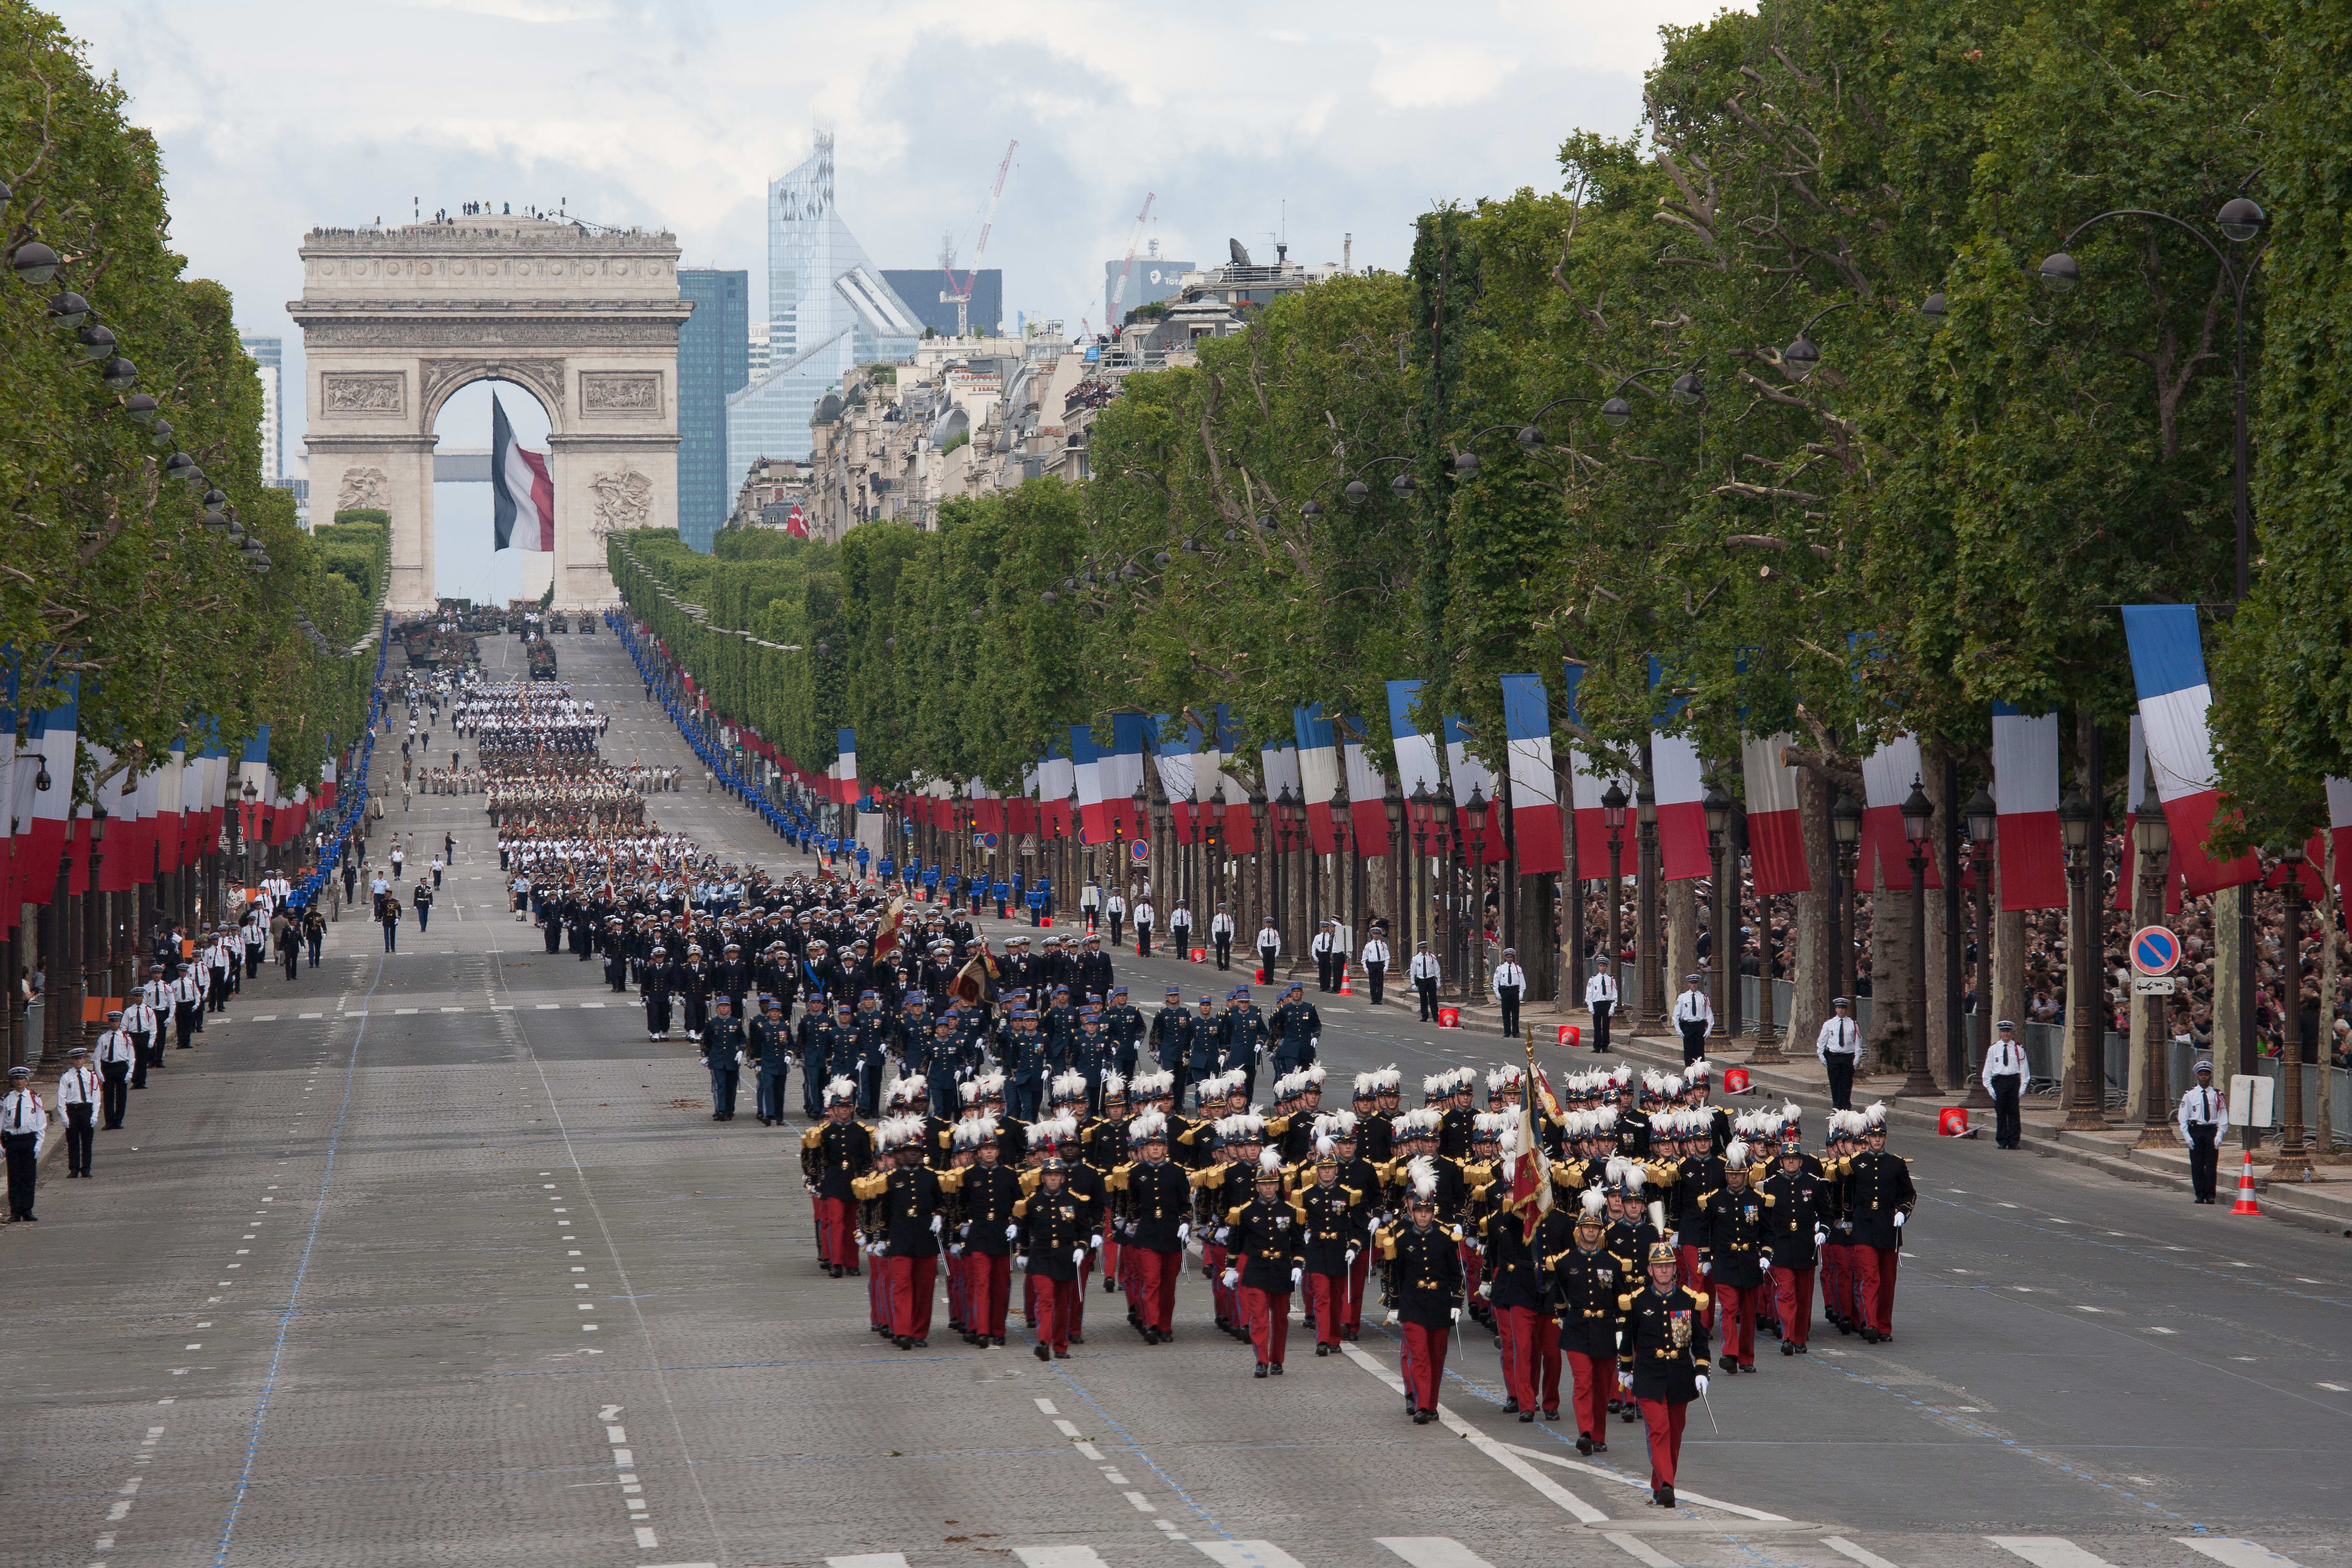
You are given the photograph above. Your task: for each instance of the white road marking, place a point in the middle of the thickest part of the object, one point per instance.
(2048, 1550)
(1640, 1550)
(1068, 1430)
(647, 1538)
(2235, 1554)
(1139, 1502)
(1432, 1550)
(1840, 1545)
(1625, 1478)
(1500, 1453)
(1247, 1555)
(1058, 1557)
(867, 1560)
(2333, 1387)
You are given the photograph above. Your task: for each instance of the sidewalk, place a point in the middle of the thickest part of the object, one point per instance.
(2325, 1204)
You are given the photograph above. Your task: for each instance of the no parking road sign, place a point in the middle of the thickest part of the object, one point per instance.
(2155, 951)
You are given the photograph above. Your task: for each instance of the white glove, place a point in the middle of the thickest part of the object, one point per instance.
(1898, 1219)
(1294, 1278)
(1078, 1255)
(1232, 1278)
(1487, 1290)
(1456, 1311)
(1702, 1382)
(1022, 1263)
(1012, 1233)
(1223, 1231)
(741, 1060)
(1820, 1236)
(955, 1249)
(1351, 1256)
(1706, 1267)
(1095, 1241)
(1183, 1233)
(935, 1224)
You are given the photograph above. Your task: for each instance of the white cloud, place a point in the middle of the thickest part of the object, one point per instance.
(1350, 118)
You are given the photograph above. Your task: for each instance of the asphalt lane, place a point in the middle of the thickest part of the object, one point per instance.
(433, 1257)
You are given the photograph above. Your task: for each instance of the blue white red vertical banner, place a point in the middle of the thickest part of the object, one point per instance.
(1174, 760)
(1470, 778)
(1240, 831)
(1888, 776)
(1535, 786)
(1122, 771)
(1678, 790)
(1318, 774)
(1368, 806)
(2167, 658)
(1087, 764)
(523, 493)
(2028, 848)
(1776, 839)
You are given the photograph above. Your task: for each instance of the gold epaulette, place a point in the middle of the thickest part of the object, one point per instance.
(1624, 1303)
(872, 1186)
(814, 1136)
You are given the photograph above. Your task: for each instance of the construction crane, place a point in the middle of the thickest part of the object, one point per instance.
(1126, 266)
(960, 296)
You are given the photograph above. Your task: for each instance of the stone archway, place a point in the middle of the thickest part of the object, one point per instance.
(396, 319)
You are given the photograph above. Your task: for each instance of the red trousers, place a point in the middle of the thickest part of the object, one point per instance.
(1689, 1256)
(1837, 1283)
(1057, 1306)
(1327, 1303)
(836, 1232)
(1111, 1250)
(988, 1284)
(1792, 1295)
(1874, 1269)
(1595, 1385)
(1356, 1274)
(878, 1295)
(912, 1283)
(1151, 1284)
(958, 1298)
(1422, 1361)
(1530, 1356)
(1740, 1304)
(1267, 1313)
(1221, 1296)
(1665, 1422)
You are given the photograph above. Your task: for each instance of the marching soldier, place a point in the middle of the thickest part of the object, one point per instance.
(1053, 1228)
(1586, 1283)
(1664, 1353)
(988, 1198)
(1154, 1201)
(912, 1196)
(1332, 1220)
(1265, 1262)
(833, 1154)
(1733, 1235)
(1878, 1198)
(1421, 1284)
(723, 1053)
(1798, 1204)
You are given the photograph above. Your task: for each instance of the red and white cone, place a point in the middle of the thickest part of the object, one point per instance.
(2245, 1203)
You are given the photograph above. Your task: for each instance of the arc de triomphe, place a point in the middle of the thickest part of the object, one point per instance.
(396, 319)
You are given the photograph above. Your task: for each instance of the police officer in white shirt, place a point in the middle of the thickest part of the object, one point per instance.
(1323, 947)
(1143, 922)
(1839, 1046)
(1423, 973)
(149, 1015)
(22, 1122)
(187, 1005)
(2004, 1074)
(1114, 911)
(1510, 984)
(1600, 996)
(1269, 948)
(1694, 1016)
(78, 1096)
(116, 1055)
(1179, 929)
(2204, 1118)
(1376, 959)
(1221, 937)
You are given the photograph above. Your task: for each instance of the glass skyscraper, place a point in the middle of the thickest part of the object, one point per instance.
(269, 356)
(713, 360)
(828, 310)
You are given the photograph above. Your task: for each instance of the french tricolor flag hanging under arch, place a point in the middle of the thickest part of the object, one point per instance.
(1094, 810)
(522, 495)
(1776, 838)
(1318, 774)
(2029, 847)
(1678, 788)
(2168, 669)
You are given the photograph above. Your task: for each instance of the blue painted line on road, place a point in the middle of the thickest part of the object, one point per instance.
(1137, 1449)
(293, 1296)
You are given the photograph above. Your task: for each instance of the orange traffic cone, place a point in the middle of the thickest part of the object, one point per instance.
(1345, 988)
(2245, 1203)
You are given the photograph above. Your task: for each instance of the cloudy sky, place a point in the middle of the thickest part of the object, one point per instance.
(1326, 117)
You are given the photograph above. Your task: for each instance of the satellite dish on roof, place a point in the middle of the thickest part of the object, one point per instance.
(1241, 255)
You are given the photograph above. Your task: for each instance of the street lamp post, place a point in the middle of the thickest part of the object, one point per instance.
(1645, 894)
(2294, 1160)
(1918, 822)
(1725, 951)
(1612, 817)
(2155, 836)
(1441, 838)
(1400, 874)
(1475, 819)
(1845, 833)
(2086, 1092)
(1285, 806)
(1416, 886)
(1984, 821)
